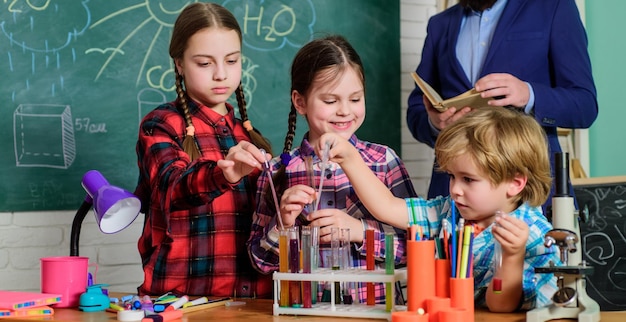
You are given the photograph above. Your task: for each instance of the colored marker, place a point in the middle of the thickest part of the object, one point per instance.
(200, 300)
(163, 316)
(178, 303)
(465, 252)
(453, 232)
(208, 305)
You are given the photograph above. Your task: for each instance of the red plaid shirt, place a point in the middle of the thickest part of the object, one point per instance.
(196, 222)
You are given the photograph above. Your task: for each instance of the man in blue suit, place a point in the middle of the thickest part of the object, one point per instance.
(527, 54)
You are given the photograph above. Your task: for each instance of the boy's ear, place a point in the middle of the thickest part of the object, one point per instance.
(517, 185)
(299, 102)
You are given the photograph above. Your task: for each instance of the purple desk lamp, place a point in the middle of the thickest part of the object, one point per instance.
(114, 208)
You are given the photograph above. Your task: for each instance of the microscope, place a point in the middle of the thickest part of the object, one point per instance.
(570, 300)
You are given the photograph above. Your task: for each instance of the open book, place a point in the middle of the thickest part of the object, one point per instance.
(470, 98)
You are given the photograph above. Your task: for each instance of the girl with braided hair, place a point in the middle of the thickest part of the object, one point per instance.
(198, 166)
(328, 89)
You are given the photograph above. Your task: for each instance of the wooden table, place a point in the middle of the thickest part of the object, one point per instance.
(261, 310)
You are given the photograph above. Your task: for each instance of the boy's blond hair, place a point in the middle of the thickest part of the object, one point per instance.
(503, 143)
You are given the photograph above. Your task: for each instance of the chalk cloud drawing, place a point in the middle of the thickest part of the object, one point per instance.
(29, 18)
(53, 148)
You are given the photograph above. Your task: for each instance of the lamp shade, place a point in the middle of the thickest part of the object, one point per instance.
(114, 208)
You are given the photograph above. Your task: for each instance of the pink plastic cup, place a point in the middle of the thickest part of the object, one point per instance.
(65, 275)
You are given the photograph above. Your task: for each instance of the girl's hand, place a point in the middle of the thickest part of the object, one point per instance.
(328, 218)
(341, 150)
(241, 160)
(293, 201)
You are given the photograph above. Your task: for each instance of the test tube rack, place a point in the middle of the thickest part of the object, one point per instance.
(356, 310)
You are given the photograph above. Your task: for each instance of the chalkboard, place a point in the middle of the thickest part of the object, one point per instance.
(604, 238)
(76, 77)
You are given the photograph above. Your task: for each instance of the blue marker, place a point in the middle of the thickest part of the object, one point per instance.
(159, 307)
(453, 230)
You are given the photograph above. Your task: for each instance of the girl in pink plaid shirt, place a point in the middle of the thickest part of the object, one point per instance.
(328, 90)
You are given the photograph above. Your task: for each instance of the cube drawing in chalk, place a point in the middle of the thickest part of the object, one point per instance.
(44, 136)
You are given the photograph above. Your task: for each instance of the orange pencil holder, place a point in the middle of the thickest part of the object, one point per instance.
(420, 273)
(408, 316)
(452, 314)
(435, 305)
(462, 296)
(442, 277)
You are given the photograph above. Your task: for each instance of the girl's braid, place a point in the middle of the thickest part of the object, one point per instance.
(189, 142)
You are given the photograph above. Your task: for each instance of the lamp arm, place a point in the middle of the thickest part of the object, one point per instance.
(77, 223)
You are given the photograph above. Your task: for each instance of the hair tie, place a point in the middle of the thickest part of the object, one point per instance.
(248, 125)
(191, 130)
(285, 157)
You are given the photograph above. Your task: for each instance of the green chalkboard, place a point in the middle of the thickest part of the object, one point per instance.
(77, 76)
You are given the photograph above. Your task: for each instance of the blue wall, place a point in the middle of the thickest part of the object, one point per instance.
(607, 47)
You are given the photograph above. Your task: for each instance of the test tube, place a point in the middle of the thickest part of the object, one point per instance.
(346, 265)
(315, 255)
(389, 269)
(497, 261)
(307, 295)
(323, 165)
(283, 266)
(267, 169)
(369, 259)
(310, 179)
(326, 286)
(497, 267)
(336, 258)
(295, 295)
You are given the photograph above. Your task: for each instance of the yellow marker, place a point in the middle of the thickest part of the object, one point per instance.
(467, 230)
(115, 307)
(200, 300)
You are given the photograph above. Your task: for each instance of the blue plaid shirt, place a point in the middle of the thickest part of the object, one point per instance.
(538, 288)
